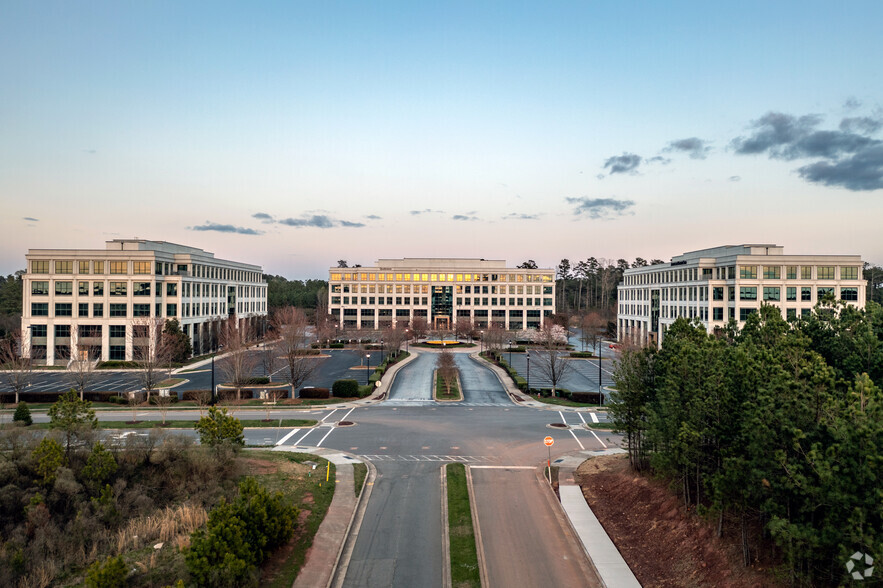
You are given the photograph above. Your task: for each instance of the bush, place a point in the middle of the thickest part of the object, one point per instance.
(585, 397)
(336, 346)
(116, 364)
(108, 574)
(172, 397)
(345, 389)
(315, 393)
(581, 354)
(218, 428)
(365, 391)
(22, 414)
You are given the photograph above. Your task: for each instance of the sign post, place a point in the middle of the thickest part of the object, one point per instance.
(549, 442)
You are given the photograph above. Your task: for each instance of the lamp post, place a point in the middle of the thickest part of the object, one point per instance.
(528, 372)
(368, 372)
(482, 340)
(510, 352)
(214, 400)
(600, 389)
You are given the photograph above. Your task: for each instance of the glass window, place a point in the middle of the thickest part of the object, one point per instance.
(791, 293)
(744, 313)
(117, 331)
(39, 309)
(64, 309)
(83, 267)
(83, 309)
(806, 294)
(117, 289)
(748, 272)
(747, 293)
(172, 289)
(821, 292)
(717, 314)
(171, 310)
(770, 293)
(791, 272)
(141, 310)
(118, 267)
(97, 267)
(64, 288)
(64, 267)
(772, 272)
(98, 288)
(825, 272)
(118, 310)
(806, 272)
(849, 294)
(140, 267)
(805, 312)
(62, 331)
(39, 288)
(849, 273)
(83, 288)
(791, 313)
(141, 289)
(98, 309)
(38, 330)
(718, 293)
(40, 266)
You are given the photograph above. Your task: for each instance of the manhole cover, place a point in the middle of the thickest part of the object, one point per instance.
(558, 426)
(345, 424)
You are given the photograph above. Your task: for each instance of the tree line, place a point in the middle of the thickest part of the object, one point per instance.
(774, 431)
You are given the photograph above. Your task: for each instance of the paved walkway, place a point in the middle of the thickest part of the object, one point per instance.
(611, 567)
(324, 555)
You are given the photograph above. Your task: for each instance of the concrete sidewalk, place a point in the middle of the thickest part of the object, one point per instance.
(324, 555)
(611, 567)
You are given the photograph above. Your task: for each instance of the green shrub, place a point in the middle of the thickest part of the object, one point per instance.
(116, 364)
(581, 354)
(315, 393)
(111, 573)
(218, 428)
(336, 346)
(22, 414)
(257, 381)
(585, 397)
(345, 389)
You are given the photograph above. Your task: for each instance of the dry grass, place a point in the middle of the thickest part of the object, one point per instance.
(167, 525)
(40, 578)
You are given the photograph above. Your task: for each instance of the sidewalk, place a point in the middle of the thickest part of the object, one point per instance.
(324, 555)
(611, 567)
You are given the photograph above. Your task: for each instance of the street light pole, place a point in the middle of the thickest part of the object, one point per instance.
(600, 389)
(214, 400)
(368, 372)
(528, 372)
(510, 352)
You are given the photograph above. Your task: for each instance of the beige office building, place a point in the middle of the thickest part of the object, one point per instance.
(441, 291)
(730, 282)
(98, 302)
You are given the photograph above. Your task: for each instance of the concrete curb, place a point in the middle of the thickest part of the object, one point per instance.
(446, 529)
(352, 532)
(479, 544)
(387, 380)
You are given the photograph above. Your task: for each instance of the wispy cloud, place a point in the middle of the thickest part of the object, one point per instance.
(319, 221)
(622, 164)
(517, 216)
(695, 147)
(464, 217)
(344, 223)
(600, 208)
(263, 217)
(735, 178)
(31, 219)
(373, 217)
(426, 211)
(210, 226)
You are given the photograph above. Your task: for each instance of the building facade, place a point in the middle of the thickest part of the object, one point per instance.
(730, 282)
(443, 292)
(100, 302)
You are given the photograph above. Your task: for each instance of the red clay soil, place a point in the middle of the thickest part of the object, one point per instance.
(663, 544)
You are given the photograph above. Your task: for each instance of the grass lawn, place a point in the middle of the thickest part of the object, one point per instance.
(170, 382)
(464, 557)
(558, 401)
(287, 473)
(360, 471)
(440, 389)
(183, 424)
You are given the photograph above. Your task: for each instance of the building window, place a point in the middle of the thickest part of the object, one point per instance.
(822, 292)
(141, 289)
(98, 288)
(118, 267)
(791, 293)
(825, 272)
(850, 294)
(770, 293)
(64, 309)
(40, 266)
(64, 267)
(117, 289)
(791, 313)
(718, 293)
(97, 267)
(140, 310)
(118, 310)
(717, 314)
(171, 310)
(747, 293)
(772, 272)
(806, 272)
(62, 331)
(805, 312)
(172, 289)
(748, 272)
(806, 294)
(38, 331)
(791, 272)
(83, 309)
(849, 273)
(64, 288)
(140, 267)
(83, 288)
(83, 267)
(39, 309)
(39, 288)
(117, 352)
(744, 313)
(98, 309)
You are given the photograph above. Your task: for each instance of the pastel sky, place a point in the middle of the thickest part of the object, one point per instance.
(293, 134)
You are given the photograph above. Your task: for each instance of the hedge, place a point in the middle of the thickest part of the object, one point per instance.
(345, 389)
(579, 354)
(116, 364)
(315, 393)
(585, 397)
(336, 346)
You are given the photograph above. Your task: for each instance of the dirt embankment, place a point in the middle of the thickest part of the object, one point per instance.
(663, 544)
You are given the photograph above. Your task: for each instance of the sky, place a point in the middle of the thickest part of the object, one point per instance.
(295, 134)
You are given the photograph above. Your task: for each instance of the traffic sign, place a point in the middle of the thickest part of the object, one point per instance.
(548, 441)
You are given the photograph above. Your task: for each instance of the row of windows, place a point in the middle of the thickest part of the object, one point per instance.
(424, 289)
(97, 267)
(437, 277)
(747, 272)
(406, 300)
(404, 313)
(66, 288)
(719, 293)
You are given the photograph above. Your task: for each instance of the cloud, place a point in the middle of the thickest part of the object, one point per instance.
(694, 146)
(517, 216)
(263, 217)
(600, 208)
(210, 226)
(621, 164)
(735, 178)
(774, 132)
(319, 221)
(344, 223)
(861, 171)
(861, 124)
(426, 211)
(30, 218)
(852, 103)
(373, 217)
(658, 159)
(464, 217)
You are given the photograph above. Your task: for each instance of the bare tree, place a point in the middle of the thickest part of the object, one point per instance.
(150, 350)
(551, 363)
(463, 327)
(393, 338)
(446, 368)
(494, 337)
(325, 326)
(268, 358)
(292, 328)
(593, 327)
(419, 327)
(81, 368)
(163, 403)
(203, 398)
(16, 365)
(238, 362)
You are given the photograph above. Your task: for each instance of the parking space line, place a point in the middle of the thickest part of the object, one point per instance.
(599, 439)
(594, 417)
(287, 437)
